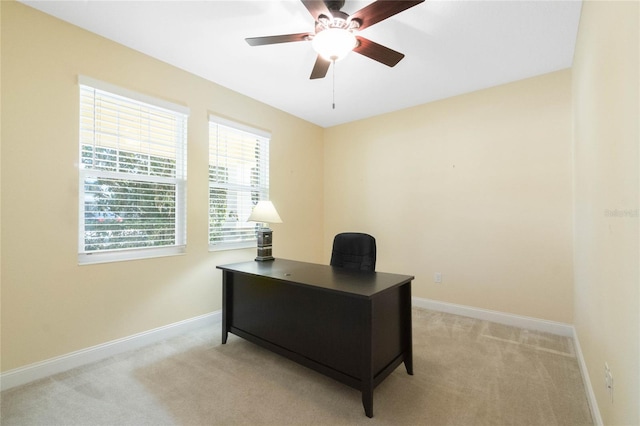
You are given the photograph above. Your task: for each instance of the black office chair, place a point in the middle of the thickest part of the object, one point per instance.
(353, 250)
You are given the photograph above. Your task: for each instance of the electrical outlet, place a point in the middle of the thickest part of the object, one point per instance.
(437, 278)
(608, 380)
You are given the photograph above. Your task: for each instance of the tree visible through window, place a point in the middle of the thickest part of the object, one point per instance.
(132, 175)
(238, 179)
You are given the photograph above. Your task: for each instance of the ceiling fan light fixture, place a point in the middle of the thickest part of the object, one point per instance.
(334, 44)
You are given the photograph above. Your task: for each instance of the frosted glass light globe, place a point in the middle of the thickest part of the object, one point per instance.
(334, 44)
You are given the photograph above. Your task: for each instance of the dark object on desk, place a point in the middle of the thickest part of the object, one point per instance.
(354, 250)
(352, 326)
(264, 237)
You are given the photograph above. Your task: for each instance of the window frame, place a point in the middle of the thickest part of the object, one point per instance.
(180, 179)
(262, 188)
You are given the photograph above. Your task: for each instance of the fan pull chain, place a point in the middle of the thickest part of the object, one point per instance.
(334, 84)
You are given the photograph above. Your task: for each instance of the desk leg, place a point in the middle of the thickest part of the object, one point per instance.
(367, 357)
(408, 364)
(367, 401)
(407, 332)
(226, 304)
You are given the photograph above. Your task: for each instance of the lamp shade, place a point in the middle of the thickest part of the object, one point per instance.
(264, 211)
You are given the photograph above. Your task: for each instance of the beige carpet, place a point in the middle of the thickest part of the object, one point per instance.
(467, 372)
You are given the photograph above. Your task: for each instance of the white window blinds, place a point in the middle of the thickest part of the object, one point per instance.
(132, 175)
(238, 179)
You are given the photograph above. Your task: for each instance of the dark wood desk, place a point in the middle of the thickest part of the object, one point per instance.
(352, 326)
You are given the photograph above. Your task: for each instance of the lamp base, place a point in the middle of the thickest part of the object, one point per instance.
(263, 258)
(264, 244)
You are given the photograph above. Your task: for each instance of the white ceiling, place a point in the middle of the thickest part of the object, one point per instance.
(451, 47)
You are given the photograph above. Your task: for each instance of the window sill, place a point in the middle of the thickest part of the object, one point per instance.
(132, 254)
(233, 246)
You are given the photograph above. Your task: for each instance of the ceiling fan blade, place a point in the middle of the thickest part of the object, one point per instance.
(320, 68)
(381, 10)
(377, 52)
(316, 8)
(285, 38)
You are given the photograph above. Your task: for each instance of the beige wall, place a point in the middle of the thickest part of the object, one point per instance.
(476, 187)
(50, 305)
(607, 283)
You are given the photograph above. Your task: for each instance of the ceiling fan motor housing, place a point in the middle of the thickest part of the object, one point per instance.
(334, 4)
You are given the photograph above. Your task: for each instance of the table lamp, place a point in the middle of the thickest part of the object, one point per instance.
(264, 212)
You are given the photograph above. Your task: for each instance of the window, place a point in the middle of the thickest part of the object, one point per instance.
(238, 179)
(132, 175)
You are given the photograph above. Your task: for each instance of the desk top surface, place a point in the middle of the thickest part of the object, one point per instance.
(324, 277)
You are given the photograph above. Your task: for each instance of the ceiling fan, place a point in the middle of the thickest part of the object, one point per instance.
(335, 32)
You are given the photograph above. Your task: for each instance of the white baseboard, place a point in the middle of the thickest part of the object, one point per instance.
(39, 370)
(591, 396)
(529, 323)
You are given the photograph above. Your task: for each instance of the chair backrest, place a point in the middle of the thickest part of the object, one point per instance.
(354, 250)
